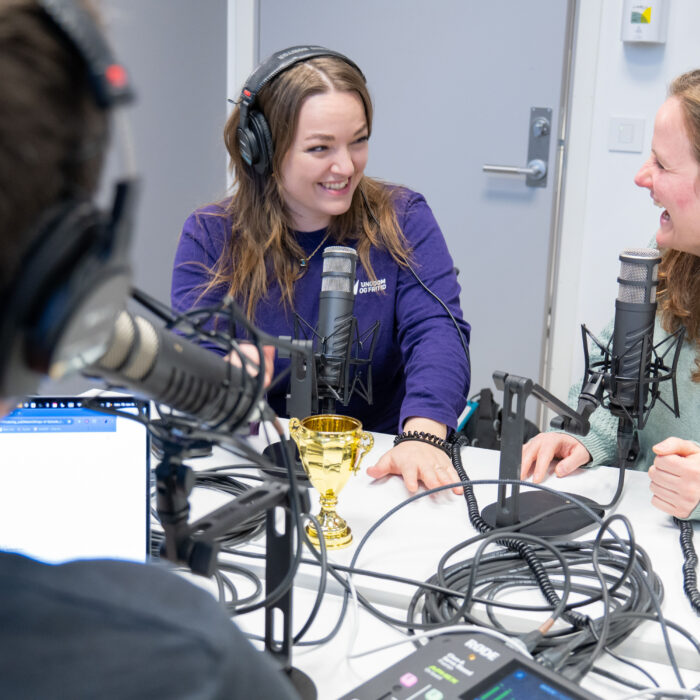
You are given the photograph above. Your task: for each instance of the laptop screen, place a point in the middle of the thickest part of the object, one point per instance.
(74, 482)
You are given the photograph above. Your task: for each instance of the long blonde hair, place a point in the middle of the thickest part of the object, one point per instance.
(679, 273)
(261, 245)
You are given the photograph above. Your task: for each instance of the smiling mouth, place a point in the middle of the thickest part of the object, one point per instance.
(665, 216)
(335, 186)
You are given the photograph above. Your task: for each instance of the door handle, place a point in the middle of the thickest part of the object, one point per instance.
(539, 132)
(535, 169)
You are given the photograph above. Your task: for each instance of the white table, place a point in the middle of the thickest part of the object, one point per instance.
(412, 541)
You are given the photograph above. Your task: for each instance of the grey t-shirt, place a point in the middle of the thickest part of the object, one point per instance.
(109, 629)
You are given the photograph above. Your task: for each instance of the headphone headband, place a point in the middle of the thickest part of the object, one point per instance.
(108, 78)
(281, 61)
(254, 138)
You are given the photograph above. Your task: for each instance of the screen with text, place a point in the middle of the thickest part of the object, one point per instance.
(75, 482)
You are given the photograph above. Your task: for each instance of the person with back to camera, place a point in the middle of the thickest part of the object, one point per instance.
(85, 629)
(311, 116)
(669, 446)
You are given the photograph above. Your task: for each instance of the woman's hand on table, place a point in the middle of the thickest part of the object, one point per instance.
(539, 452)
(418, 462)
(675, 477)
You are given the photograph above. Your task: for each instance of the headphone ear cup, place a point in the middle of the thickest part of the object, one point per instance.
(65, 298)
(248, 146)
(26, 295)
(258, 127)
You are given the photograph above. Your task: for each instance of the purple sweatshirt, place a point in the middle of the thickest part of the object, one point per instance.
(419, 365)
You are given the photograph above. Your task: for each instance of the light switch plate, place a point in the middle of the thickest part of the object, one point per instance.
(626, 134)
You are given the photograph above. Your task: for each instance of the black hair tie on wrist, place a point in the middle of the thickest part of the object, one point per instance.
(428, 438)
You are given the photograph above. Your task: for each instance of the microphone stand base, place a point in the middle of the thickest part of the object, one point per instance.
(532, 503)
(274, 453)
(302, 684)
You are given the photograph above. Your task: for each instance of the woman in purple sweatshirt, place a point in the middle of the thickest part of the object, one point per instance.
(298, 142)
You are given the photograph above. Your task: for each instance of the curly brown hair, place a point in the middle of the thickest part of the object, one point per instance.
(261, 242)
(679, 273)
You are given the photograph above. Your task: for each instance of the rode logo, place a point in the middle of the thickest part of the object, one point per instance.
(481, 649)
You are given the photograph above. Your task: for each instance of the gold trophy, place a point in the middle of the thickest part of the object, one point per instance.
(331, 448)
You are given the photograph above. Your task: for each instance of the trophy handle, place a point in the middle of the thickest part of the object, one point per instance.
(364, 445)
(297, 430)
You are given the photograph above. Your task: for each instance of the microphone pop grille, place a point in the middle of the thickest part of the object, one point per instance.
(639, 269)
(338, 269)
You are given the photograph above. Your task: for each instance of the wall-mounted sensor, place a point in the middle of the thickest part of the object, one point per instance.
(644, 22)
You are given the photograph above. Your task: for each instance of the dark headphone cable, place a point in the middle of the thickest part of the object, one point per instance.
(462, 340)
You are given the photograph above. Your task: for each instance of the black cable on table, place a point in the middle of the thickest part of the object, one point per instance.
(512, 543)
(335, 569)
(619, 679)
(690, 577)
(547, 590)
(609, 632)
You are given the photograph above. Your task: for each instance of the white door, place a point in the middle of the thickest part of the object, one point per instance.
(454, 83)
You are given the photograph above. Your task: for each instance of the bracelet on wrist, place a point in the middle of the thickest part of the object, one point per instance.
(428, 438)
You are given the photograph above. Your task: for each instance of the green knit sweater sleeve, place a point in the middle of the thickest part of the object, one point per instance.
(694, 515)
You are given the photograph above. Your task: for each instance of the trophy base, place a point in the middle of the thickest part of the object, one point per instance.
(335, 538)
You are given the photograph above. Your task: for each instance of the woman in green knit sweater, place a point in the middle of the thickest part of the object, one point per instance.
(669, 446)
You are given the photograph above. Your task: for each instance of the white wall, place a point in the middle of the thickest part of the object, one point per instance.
(604, 212)
(241, 53)
(176, 121)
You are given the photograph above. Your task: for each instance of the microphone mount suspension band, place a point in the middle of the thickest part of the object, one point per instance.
(309, 393)
(602, 380)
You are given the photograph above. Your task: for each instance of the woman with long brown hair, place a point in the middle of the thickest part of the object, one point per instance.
(298, 144)
(668, 445)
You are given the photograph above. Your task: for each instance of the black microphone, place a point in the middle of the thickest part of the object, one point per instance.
(630, 373)
(155, 362)
(336, 325)
(633, 333)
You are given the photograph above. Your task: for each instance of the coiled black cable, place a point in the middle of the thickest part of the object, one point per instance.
(525, 550)
(624, 582)
(498, 572)
(690, 563)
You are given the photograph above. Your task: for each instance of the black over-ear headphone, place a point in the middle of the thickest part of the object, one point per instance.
(254, 137)
(58, 312)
